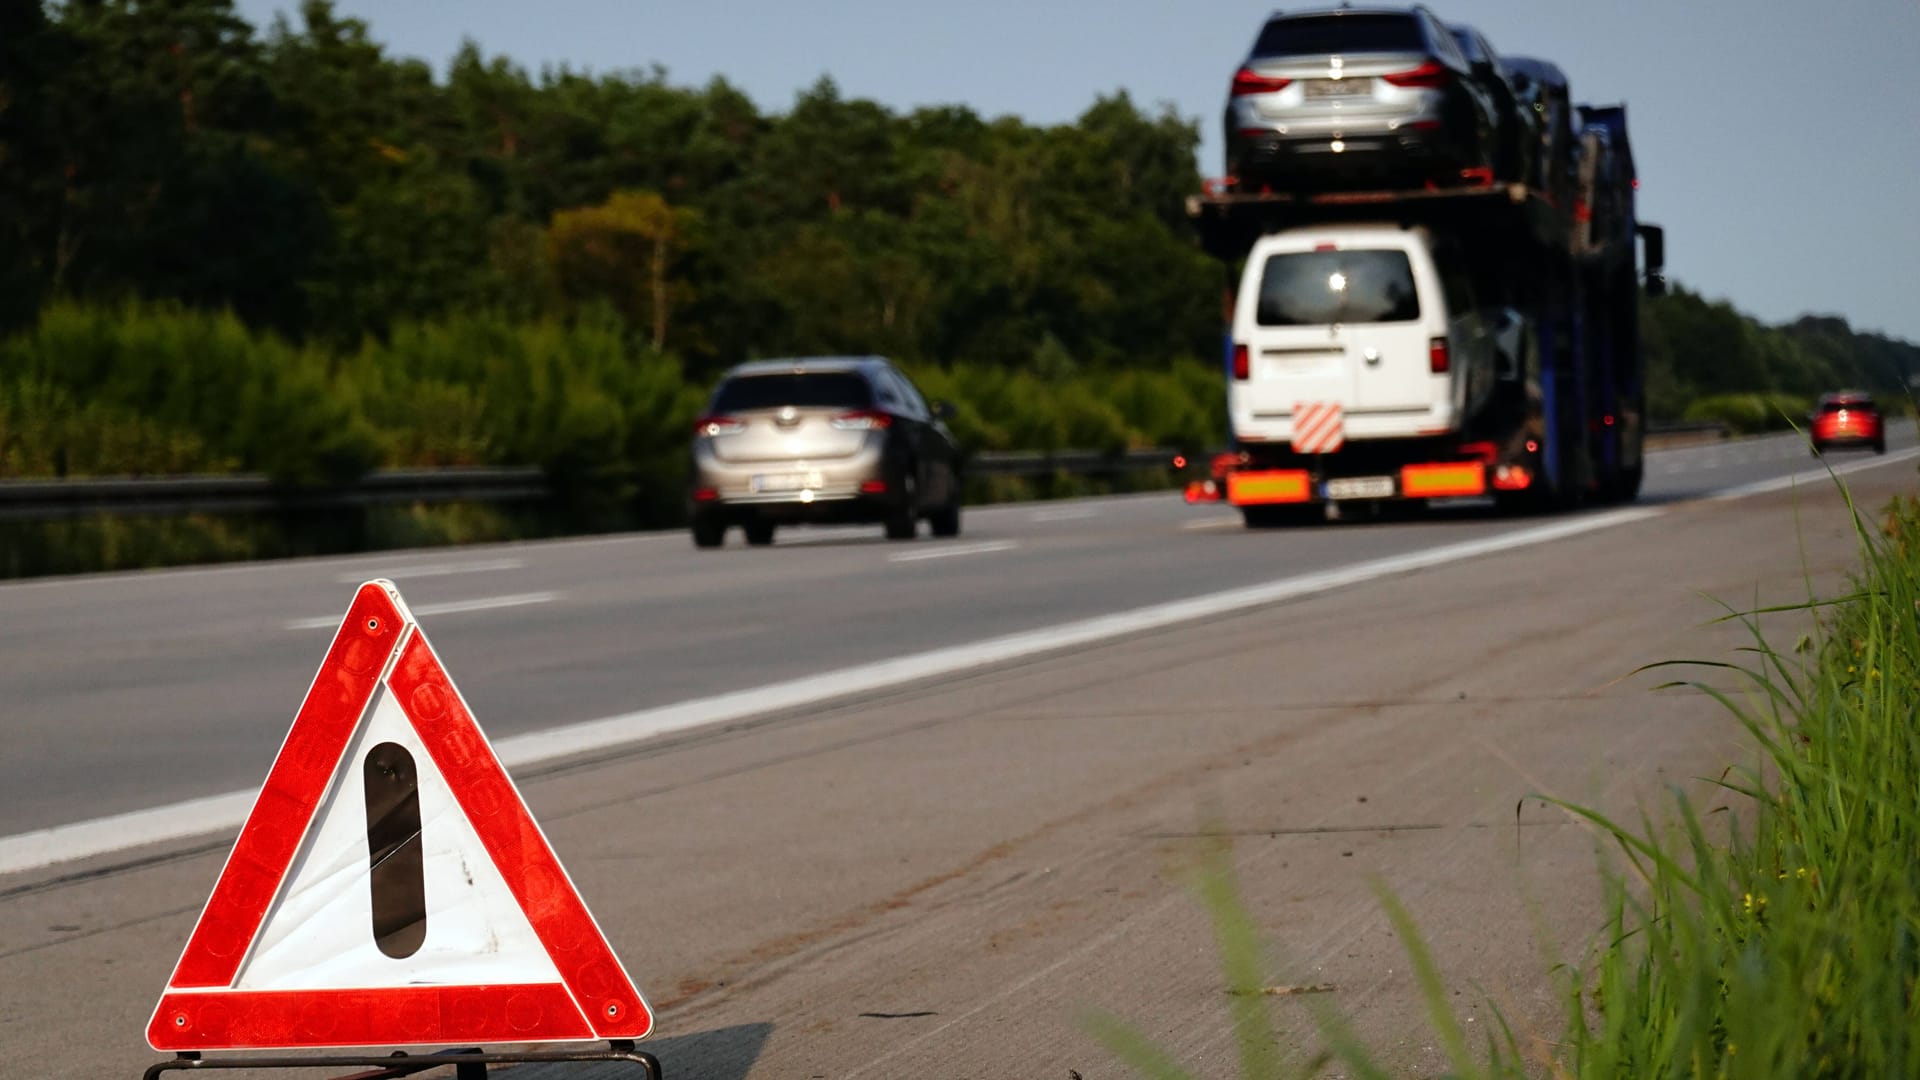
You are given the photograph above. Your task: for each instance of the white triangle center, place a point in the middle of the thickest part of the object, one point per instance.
(319, 932)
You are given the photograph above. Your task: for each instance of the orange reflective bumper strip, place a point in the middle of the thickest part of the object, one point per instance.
(1274, 486)
(1443, 481)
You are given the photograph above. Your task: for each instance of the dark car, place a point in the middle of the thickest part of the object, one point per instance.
(822, 440)
(1357, 96)
(1848, 418)
(1540, 88)
(1517, 137)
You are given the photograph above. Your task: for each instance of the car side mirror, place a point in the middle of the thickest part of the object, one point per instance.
(943, 410)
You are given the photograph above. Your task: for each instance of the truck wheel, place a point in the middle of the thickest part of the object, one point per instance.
(1628, 484)
(1280, 517)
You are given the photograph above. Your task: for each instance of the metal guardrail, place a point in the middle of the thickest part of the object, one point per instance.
(1074, 462)
(1708, 427)
(47, 499)
(42, 499)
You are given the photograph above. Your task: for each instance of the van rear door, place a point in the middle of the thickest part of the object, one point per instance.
(1337, 324)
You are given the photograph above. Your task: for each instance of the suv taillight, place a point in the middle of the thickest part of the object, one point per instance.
(1248, 81)
(1439, 360)
(1242, 364)
(711, 426)
(863, 420)
(1428, 76)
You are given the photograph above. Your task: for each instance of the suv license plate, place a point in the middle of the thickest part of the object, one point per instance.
(1338, 88)
(787, 481)
(1361, 487)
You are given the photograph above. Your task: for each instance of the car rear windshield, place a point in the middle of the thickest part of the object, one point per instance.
(1319, 34)
(1845, 403)
(804, 390)
(1315, 288)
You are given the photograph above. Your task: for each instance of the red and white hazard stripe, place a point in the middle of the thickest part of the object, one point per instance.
(1318, 427)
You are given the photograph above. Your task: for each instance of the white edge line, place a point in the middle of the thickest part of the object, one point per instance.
(983, 548)
(453, 607)
(198, 817)
(1812, 476)
(439, 569)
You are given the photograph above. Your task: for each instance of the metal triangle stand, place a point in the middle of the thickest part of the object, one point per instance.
(469, 1063)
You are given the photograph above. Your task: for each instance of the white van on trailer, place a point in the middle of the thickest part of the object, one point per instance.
(1374, 318)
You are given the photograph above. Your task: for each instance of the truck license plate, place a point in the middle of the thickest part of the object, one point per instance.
(1361, 487)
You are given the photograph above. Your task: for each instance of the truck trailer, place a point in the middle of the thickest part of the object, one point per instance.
(1442, 342)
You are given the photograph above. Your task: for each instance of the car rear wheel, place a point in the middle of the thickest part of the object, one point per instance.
(945, 522)
(1880, 446)
(708, 533)
(760, 533)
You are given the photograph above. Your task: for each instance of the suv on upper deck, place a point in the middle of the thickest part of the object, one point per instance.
(1357, 96)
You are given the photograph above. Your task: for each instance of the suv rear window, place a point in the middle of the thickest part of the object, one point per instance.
(1315, 288)
(805, 390)
(1318, 34)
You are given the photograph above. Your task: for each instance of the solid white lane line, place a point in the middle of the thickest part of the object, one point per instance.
(982, 548)
(1813, 476)
(408, 573)
(196, 817)
(454, 607)
(1212, 523)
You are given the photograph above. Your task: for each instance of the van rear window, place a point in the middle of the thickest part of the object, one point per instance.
(1315, 288)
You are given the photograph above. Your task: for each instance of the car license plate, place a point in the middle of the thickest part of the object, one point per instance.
(1338, 88)
(1361, 487)
(787, 481)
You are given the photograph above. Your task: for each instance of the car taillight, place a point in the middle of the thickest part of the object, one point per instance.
(1248, 81)
(1242, 364)
(711, 426)
(863, 420)
(1438, 359)
(1428, 76)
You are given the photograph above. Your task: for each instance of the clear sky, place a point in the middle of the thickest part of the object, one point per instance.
(1777, 140)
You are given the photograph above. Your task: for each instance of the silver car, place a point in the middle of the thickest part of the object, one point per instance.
(822, 440)
(1357, 95)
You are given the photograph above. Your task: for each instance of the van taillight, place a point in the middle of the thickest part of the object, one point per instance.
(1438, 359)
(1242, 365)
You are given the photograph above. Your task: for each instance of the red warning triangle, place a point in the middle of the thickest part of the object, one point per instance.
(389, 887)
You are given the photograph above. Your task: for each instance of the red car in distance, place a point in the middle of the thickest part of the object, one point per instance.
(1848, 419)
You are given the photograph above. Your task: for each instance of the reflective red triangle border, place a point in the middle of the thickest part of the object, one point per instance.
(201, 1009)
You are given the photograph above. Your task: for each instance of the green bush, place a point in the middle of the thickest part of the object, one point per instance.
(201, 386)
(1750, 414)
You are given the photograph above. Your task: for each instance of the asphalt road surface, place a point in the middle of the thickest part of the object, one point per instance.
(938, 876)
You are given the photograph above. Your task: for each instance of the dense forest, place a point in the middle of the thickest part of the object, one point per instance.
(282, 249)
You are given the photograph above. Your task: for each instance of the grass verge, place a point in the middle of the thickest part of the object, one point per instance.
(1783, 941)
